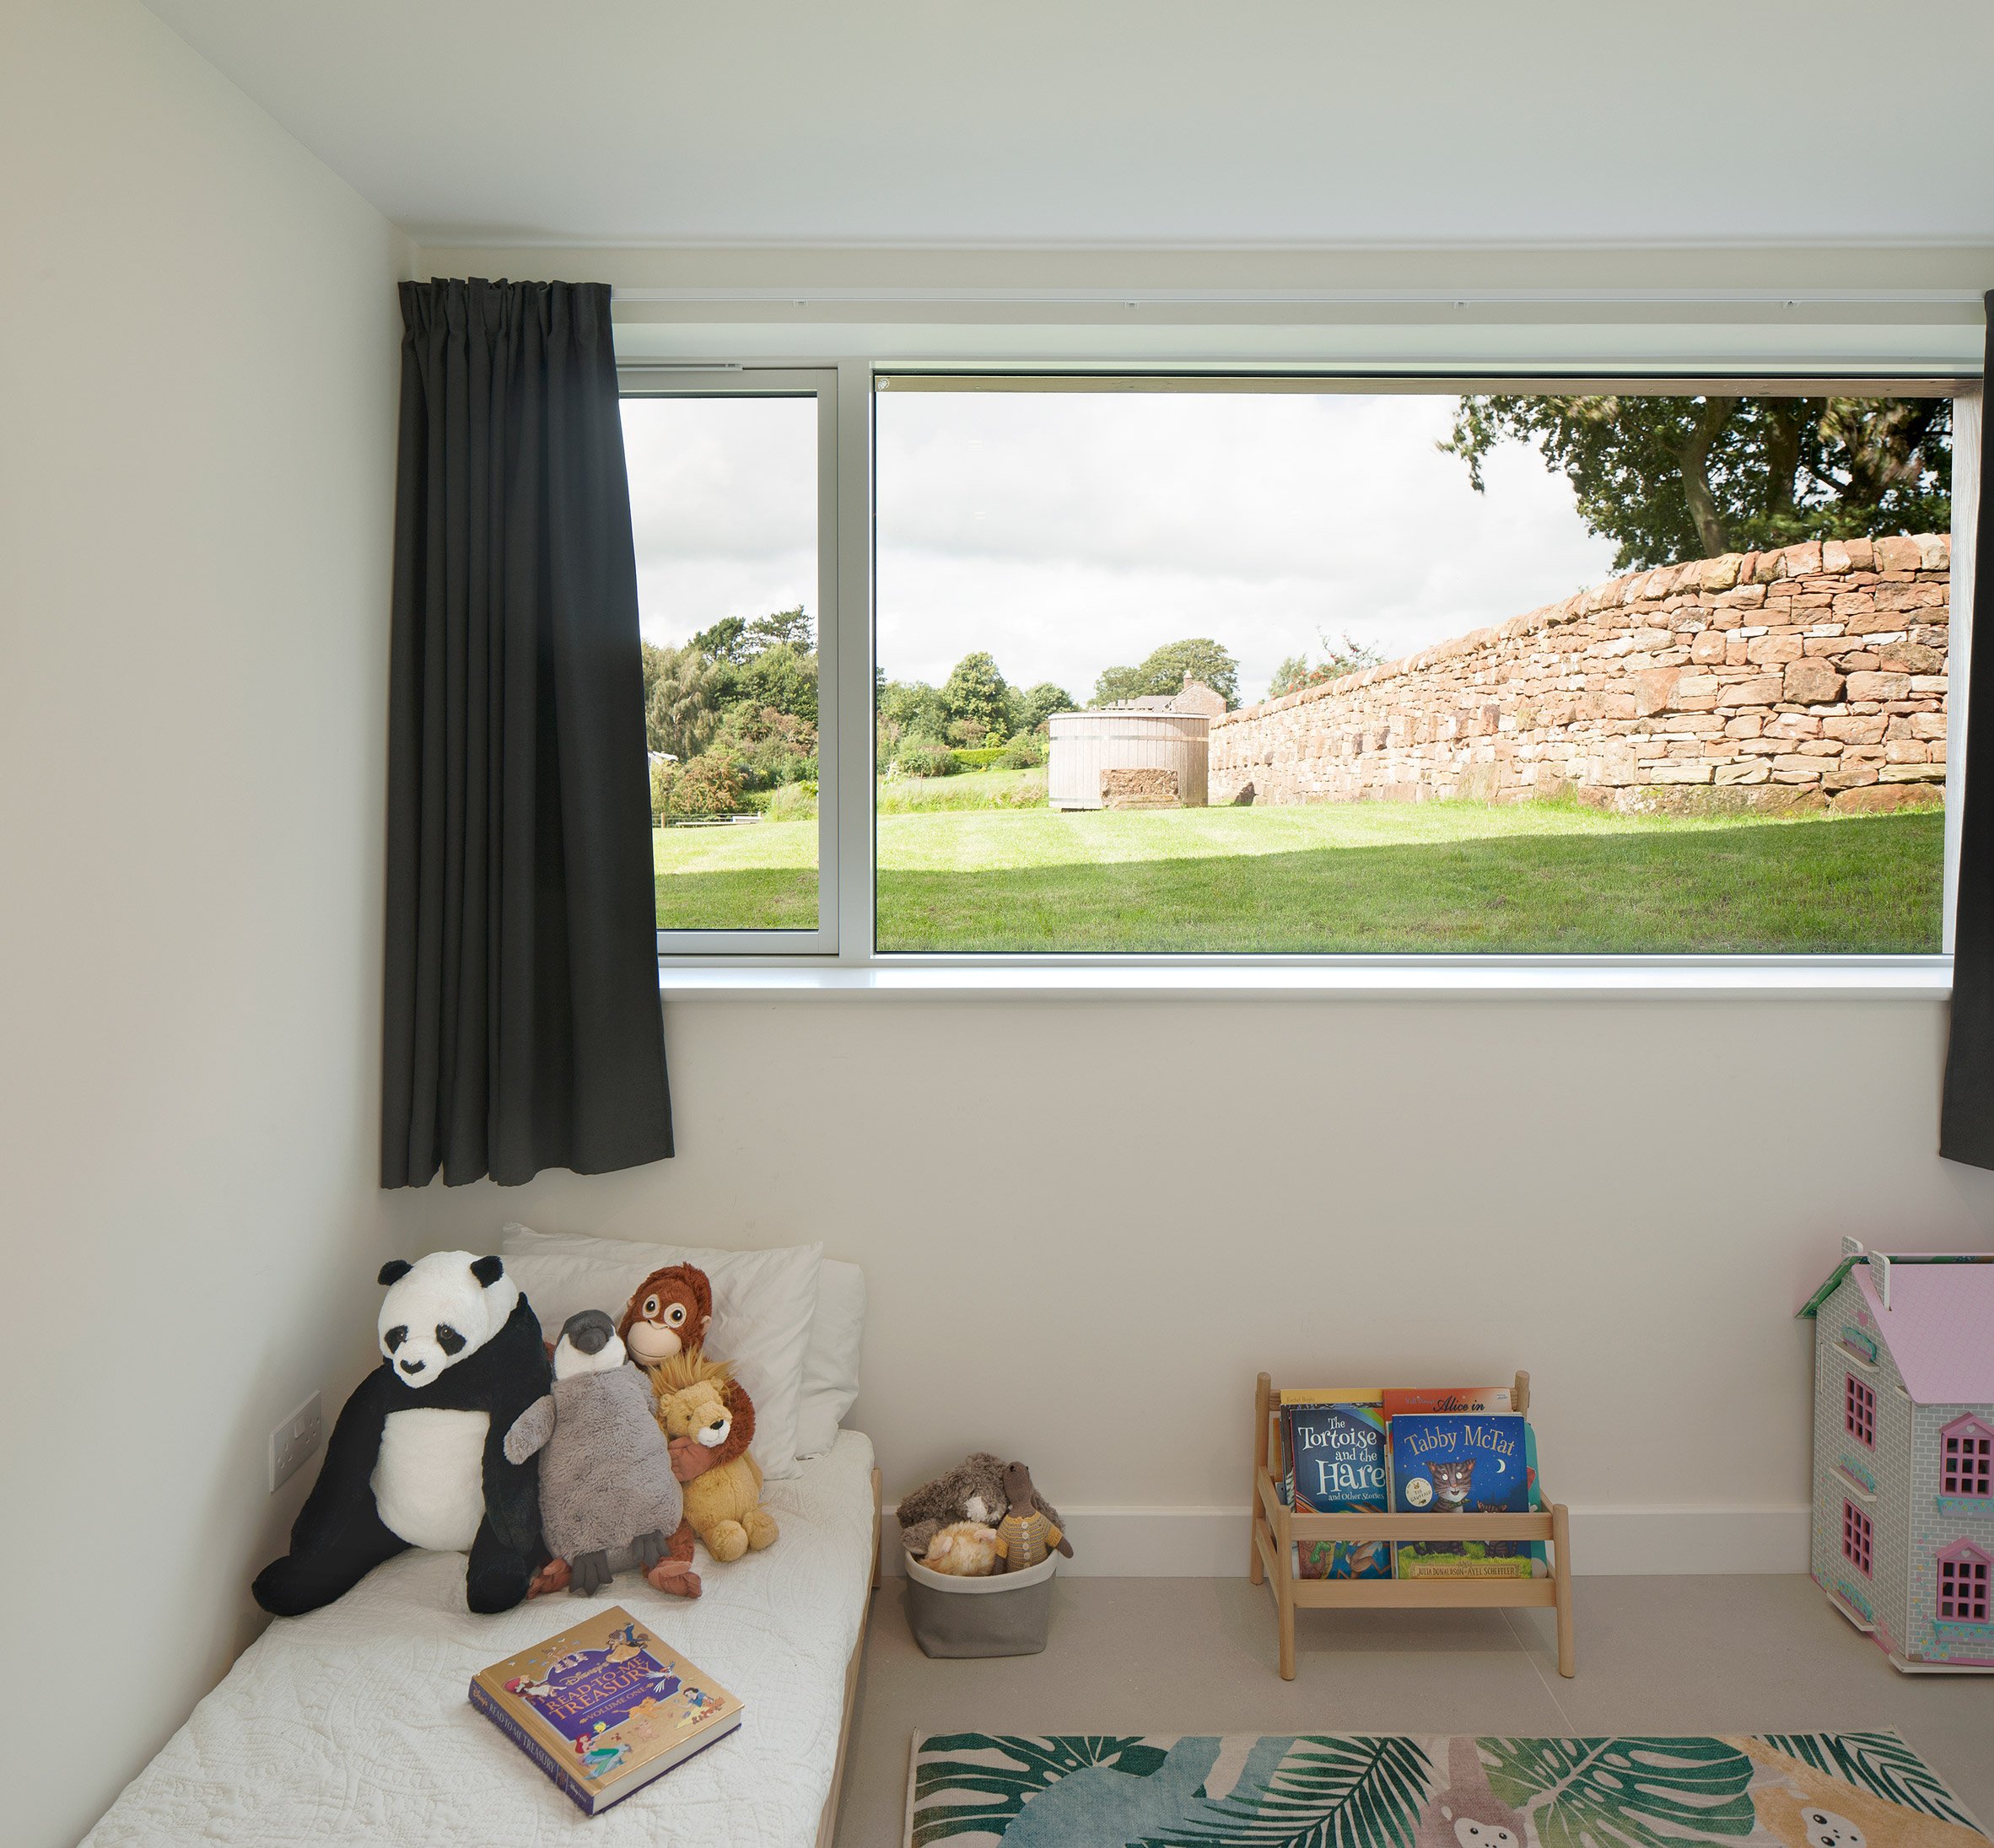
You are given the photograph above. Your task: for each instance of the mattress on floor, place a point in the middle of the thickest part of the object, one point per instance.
(352, 1725)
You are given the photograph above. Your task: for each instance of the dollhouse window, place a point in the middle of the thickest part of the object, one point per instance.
(1966, 1459)
(1858, 1411)
(1857, 1539)
(1962, 1584)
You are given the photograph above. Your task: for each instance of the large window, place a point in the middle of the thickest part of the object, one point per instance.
(1251, 671)
(1295, 667)
(729, 481)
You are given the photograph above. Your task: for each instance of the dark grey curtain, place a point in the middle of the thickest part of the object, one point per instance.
(1966, 1116)
(522, 1027)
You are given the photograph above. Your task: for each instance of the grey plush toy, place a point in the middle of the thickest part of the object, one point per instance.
(608, 1498)
(973, 1491)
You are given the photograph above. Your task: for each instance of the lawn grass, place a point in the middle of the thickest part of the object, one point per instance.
(974, 790)
(754, 875)
(1458, 878)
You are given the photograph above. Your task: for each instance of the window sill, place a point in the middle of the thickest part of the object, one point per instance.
(1918, 978)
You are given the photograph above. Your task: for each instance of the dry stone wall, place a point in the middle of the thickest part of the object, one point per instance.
(1810, 676)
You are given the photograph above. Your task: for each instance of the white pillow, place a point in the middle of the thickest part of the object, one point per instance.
(764, 1304)
(831, 1368)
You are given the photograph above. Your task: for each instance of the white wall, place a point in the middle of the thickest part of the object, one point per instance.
(196, 380)
(1628, 1198)
(197, 363)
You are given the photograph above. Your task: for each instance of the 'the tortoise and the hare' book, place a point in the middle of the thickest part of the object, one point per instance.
(605, 1707)
(1337, 1465)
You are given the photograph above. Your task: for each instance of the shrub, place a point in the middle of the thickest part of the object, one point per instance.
(708, 785)
(1026, 752)
(791, 802)
(663, 776)
(982, 757)
(923, 757)
(766, 747)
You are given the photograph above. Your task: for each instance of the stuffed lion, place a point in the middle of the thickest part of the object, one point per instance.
(708, 1421)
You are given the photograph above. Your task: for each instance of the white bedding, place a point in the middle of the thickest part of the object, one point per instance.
(352, 1725)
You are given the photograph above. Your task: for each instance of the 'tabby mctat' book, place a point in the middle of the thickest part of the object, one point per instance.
(1457, 1463)
(1337, 1465)
(604, 1708)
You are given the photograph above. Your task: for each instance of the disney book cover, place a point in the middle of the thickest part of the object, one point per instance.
(1337, 1465)
(605, 1707)
(1457, 1463)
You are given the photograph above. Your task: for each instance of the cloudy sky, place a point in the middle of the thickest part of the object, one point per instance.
(1066, 532)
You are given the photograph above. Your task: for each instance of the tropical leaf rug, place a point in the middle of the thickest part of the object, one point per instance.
(1793, 1789)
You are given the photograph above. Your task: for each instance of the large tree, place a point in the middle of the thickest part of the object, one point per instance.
(1038, 704)
(1165, 670)
(784, 677)
(1671, 478)
(763, 663)
(977, 692)
(685, 691)
(910, 708)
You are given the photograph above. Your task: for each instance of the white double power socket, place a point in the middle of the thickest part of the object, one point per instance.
(293, 1441)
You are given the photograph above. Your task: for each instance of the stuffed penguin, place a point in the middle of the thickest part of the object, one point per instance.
(608, 1497)
(416, 1457)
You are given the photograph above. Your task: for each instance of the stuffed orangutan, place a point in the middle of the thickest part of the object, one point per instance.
(668, 1313)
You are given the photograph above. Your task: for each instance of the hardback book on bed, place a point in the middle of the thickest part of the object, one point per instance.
(605, 1707)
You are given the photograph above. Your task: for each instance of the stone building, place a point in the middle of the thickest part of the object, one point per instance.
(1903, 1538)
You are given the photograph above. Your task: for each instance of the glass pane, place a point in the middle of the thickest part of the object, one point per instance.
(724, 501)
(1411, 672)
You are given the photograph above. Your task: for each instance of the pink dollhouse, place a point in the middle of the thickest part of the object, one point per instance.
(1903, 1453)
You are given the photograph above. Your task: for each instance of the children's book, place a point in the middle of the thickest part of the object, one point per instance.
(1463, 1462)
(605, 1707)
(1293, 1397)
(1396, 1399)
(1338, 1467)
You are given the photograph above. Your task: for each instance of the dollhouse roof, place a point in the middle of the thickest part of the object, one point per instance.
(1939, 1328)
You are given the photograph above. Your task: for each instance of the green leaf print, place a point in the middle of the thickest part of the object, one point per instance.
(1013, 1770)
(1623, 1792)
(1323, 1792)
(1878, 1762)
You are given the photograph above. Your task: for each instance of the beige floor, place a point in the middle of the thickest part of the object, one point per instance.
(1656, 1655)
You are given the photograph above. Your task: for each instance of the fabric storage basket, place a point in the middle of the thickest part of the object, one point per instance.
(1005, 1614)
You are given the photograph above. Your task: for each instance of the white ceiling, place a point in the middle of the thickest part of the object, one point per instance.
(1317, 122)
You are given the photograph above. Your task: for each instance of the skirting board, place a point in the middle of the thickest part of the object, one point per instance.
(1211, 1542)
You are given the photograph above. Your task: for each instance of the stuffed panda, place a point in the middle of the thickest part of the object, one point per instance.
(417, 1456)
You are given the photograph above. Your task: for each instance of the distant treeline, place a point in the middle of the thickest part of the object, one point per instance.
(732, 714)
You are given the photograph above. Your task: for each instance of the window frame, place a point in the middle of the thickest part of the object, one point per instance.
(635, 379)
(1967, 1474)
(842, 955)
(1970, 1596)
(1858, 1539)
(1859, 1411)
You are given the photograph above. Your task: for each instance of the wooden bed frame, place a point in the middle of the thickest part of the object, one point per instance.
(827, 1823)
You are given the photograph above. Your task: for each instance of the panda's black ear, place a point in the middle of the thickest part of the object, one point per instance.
(394, 1270)
(489, 1271)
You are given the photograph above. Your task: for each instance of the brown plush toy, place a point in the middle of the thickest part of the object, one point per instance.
(667, 1313)
(973, 1491)
(1030, 1529)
